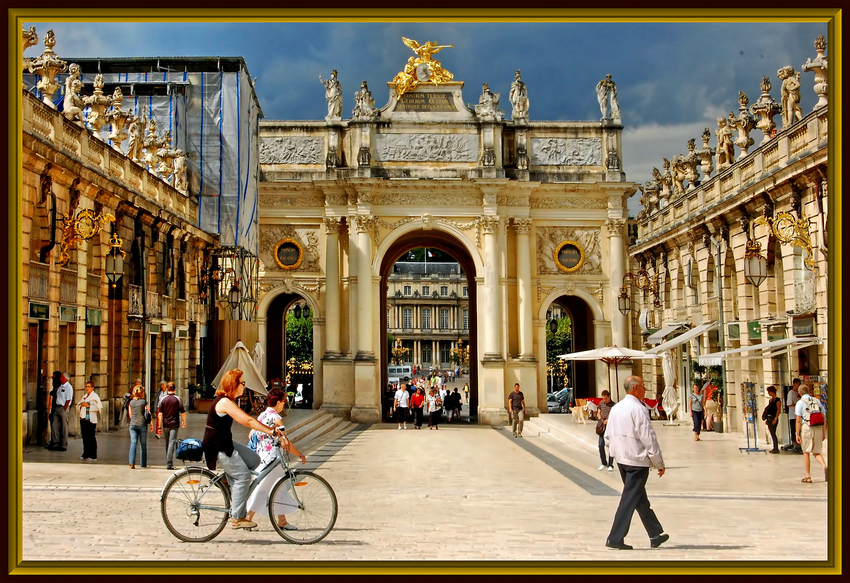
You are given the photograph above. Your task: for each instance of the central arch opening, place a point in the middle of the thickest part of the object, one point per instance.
(433, 319)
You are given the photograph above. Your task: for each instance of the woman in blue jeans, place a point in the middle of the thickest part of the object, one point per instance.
(697, 410)
(138, 428)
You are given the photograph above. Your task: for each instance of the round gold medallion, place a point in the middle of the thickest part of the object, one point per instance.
(569, 256)
(288, 254)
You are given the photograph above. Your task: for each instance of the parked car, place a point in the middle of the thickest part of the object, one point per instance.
(553, 404)
(564, 398)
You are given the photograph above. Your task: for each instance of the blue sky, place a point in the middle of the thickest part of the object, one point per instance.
(673, 79)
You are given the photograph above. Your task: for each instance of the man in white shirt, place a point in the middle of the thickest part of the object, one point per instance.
(809, 437)
(632, 442)
(59, 420)
(401, 405)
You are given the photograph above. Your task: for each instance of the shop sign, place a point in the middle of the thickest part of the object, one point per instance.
(94, 317)
(67, 314)
(754, 330)
(39, 311)
(734, 331)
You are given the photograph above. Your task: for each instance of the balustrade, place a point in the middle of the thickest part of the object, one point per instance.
(136, 304)
(153, 307)
(39, 281)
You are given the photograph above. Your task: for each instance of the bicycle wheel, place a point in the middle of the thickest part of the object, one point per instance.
(194, 509)
(313, 518)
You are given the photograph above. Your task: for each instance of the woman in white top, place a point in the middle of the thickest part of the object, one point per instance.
(264, 446)
(90, 406)
(434, 409)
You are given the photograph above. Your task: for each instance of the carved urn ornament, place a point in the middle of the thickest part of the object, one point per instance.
(744, 123)
(47, 66)
(818, 66)
(97, 103)
(765, 108)
(706, 154)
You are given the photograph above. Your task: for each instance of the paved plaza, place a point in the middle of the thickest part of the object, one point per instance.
(461, 493)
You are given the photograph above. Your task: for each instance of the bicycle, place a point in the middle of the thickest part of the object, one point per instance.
(195, 502)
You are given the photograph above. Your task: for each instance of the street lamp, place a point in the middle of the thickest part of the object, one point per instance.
(553, 325)
(755, 266)
(297, 311)
(642, 280)
(305, 313)
(115, 260)
(233, 296)
(624, 302)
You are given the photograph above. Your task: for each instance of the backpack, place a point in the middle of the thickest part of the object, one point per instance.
(814, 412)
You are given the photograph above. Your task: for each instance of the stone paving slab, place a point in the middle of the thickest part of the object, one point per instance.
(462, 493)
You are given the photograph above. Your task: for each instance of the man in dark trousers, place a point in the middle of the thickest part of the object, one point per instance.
(632, 441)
(171, 416)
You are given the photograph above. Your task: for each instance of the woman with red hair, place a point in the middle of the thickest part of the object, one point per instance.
(218, 442)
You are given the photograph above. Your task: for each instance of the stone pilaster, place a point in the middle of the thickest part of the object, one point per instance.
(523, 270)
(332, 292)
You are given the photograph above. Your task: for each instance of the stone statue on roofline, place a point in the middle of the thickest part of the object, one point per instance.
(72, 106)
(488, 103)
(725, 145)
(333, 95)
(606, 90)
(819, 66)
(519, 99)
(364, 103)
(790, 95)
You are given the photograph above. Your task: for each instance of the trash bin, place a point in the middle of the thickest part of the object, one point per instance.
(718, 426)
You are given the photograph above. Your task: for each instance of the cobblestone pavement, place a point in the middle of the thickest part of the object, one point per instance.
(461, 493)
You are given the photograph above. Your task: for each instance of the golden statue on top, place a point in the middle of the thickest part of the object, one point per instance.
(422, 68)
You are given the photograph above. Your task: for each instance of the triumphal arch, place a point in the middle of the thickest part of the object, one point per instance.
(534, 211)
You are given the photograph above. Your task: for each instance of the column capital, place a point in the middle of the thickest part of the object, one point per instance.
(332, 225)
(522, 225)
(364, 223)
(490, 225)
(615, 227)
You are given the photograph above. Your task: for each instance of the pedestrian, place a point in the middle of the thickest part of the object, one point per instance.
(631, 438)
(263, 445)
(401, 406)
(124, 420)
(697, 410)
(160, 395)
(455, 406)
(442, 391)
(809, 432)
(90, 407)
(51, 405)
(711, 406)
(417, 401)
(139, 426)
(170, 416)
(770, 416)
(791, 402)
(605, 406)
(59, 418)
(516, 409)
(435, 409)
(466, 391)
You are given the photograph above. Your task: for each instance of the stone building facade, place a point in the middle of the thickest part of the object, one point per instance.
(428, 312)
(534, 212)
(149, 325)
(773, 192)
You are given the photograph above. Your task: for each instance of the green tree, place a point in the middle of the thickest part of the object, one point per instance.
(299, 337)
(557, 343)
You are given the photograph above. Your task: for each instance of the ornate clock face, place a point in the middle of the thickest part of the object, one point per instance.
(423, 72)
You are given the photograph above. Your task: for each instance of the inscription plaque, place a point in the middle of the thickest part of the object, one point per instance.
(288, 254)
(426, 102)
(569, 256)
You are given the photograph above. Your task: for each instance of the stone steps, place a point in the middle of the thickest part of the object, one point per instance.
(540, 425)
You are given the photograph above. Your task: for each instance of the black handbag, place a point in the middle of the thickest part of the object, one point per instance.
(147, 416)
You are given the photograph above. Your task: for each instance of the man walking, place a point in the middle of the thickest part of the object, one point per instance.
(605, 406)
(516, 407)
(170, 417)
(633, 443)
(59, 417)
(810, 437)
(791, 402)
(160, 395)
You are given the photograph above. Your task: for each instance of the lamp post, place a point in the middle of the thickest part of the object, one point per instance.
(643, 281)
(114, 264)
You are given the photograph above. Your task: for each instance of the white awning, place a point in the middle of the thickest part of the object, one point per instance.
(659, 335)
(682, 338)
(763, 350)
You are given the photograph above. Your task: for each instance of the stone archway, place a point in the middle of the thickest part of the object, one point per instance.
(413, 238)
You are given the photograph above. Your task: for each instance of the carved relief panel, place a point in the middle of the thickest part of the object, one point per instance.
(292, 150)
(566, 152)
(303, 238)
(550, 239)
(426, 147)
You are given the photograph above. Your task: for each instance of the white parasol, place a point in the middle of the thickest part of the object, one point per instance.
(242, 359)
(609, 355)
(670, 398)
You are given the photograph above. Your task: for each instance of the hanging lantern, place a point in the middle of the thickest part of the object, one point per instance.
(114, 264)
(553, 325)
(297, 311)
(233, 296)
(305, 312)
(755, 266)
(624, 302)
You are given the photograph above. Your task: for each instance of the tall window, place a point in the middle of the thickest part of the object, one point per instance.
(388, 319)
(465, 291)
(445, 352)
(426, 353)
(444, 290)
(407, 290)
(426, 290)
(407, 318)
(466, 319)
(426, 318)
(444, 319)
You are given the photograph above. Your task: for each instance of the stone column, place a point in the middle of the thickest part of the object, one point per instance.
(619, 324)
(332, 310)
(363, 225)
(492, 298)
(523, 276)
